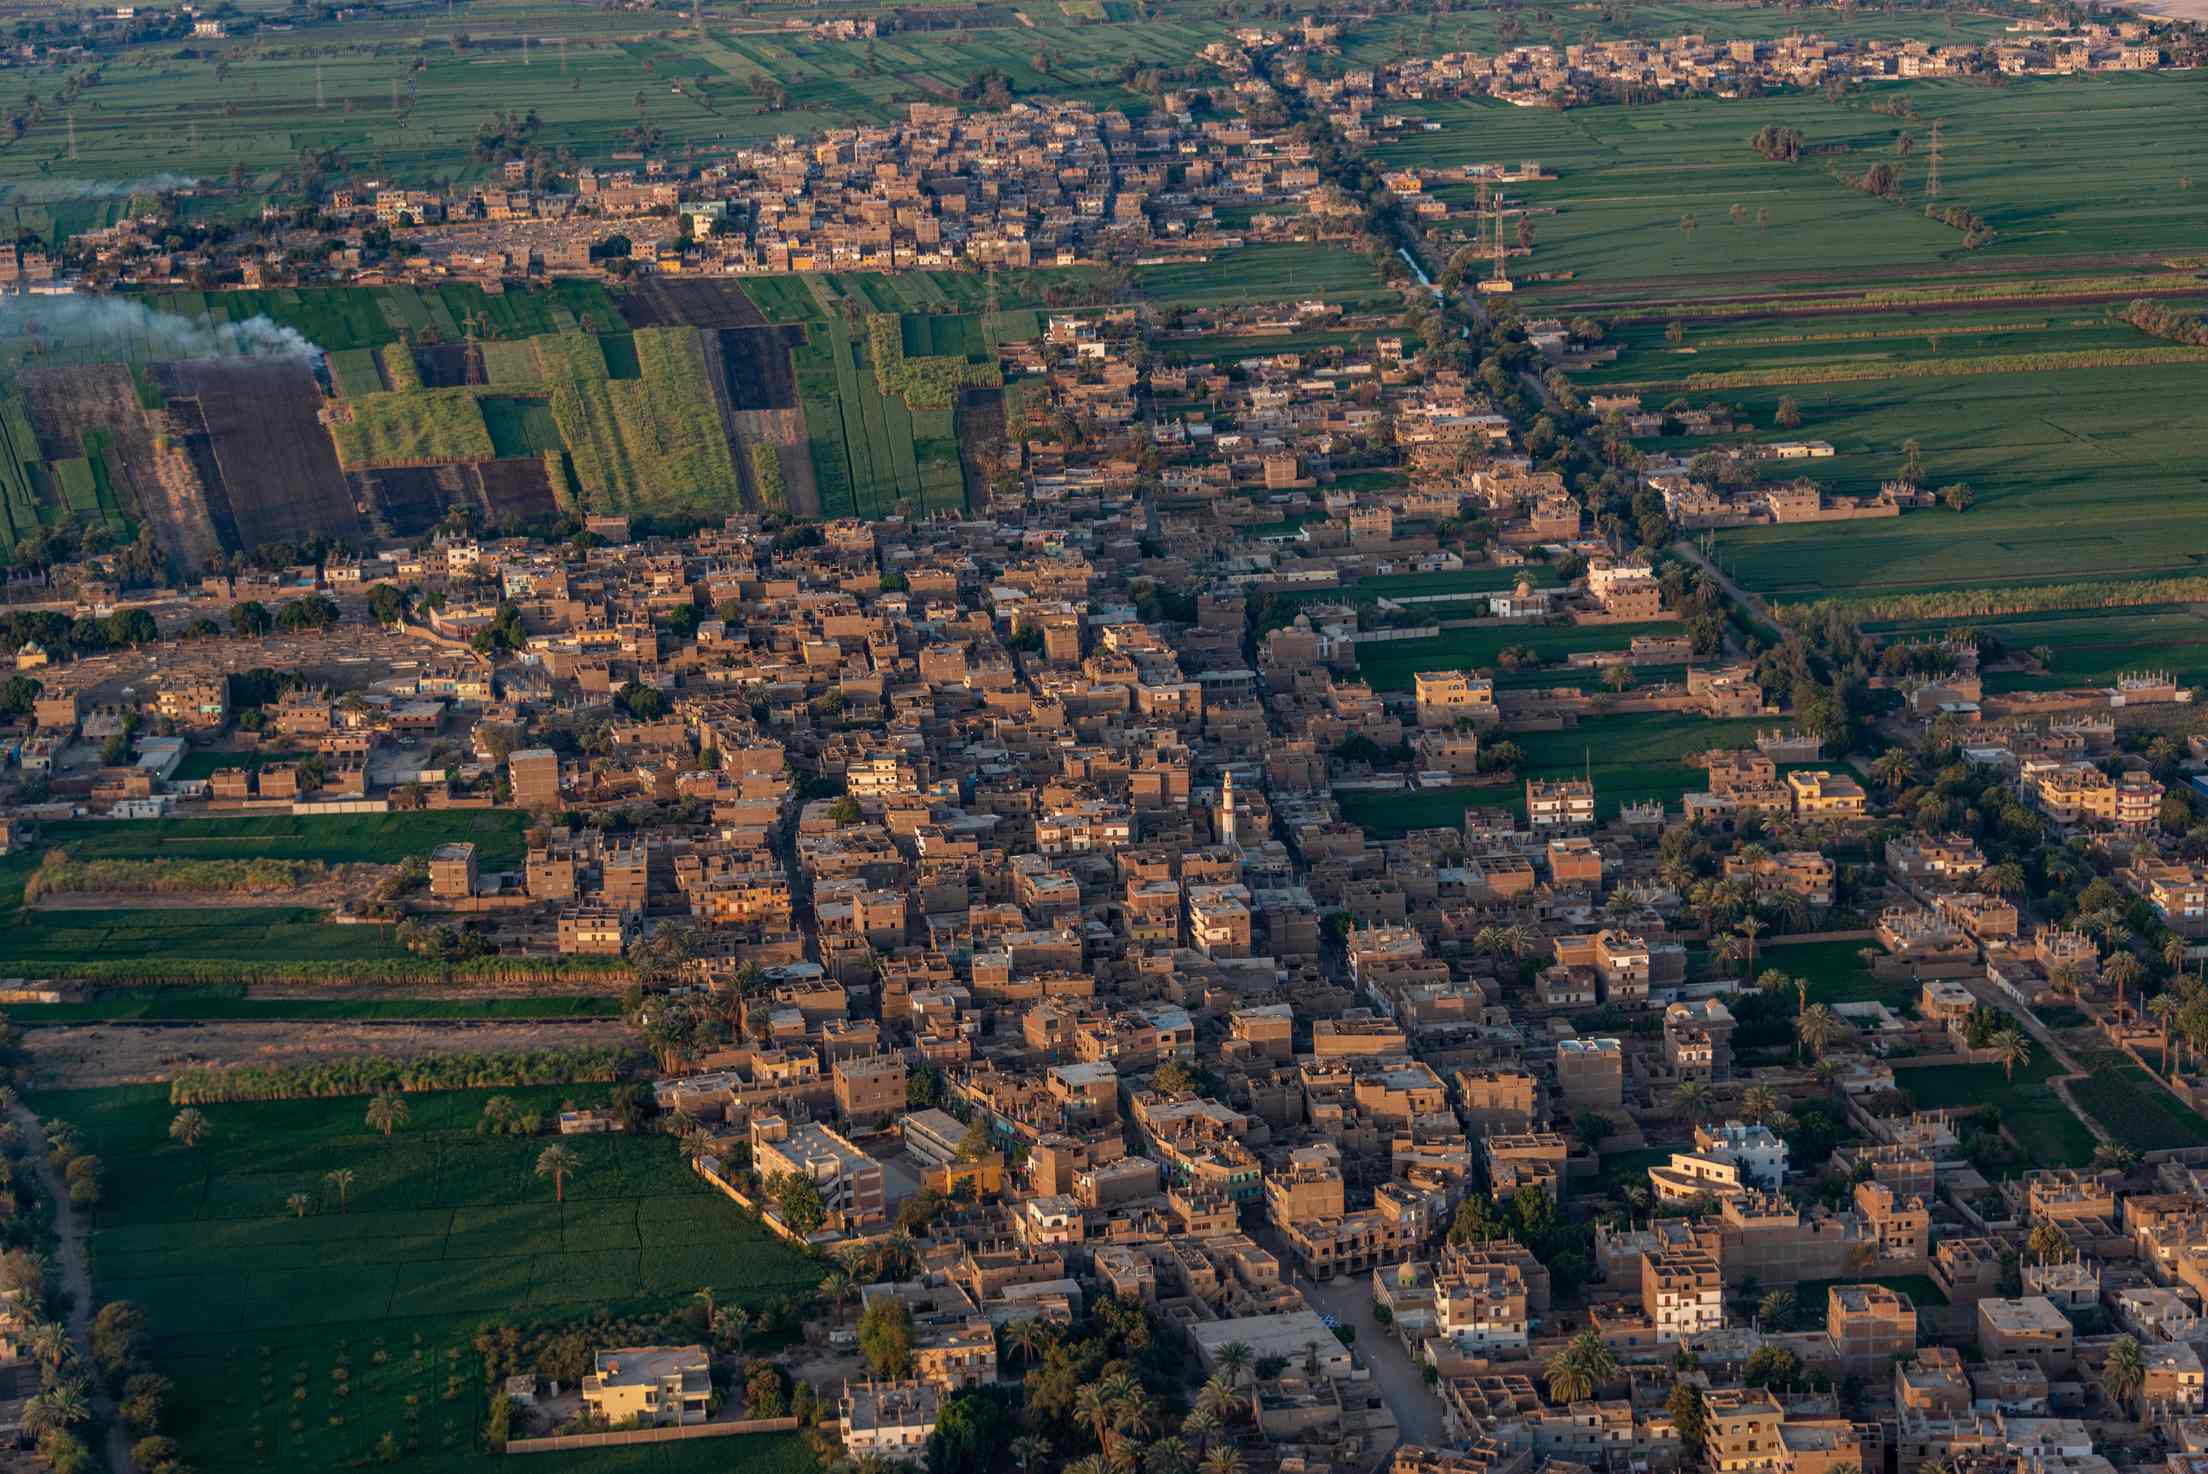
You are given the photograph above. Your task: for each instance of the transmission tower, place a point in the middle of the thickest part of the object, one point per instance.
(1932, 164)
(72, 135)
(1502, 271)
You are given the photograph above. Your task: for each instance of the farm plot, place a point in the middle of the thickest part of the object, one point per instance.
(199, 933)
(2053, 165)
(1632, 759)
(2079, 474)
(2049, 1132)
(215, 1004)
(2086, 647)
(1390, 665)
(420, 427)
(1835, 973)
(273, 459)
(336, 839)
(651, 443)
(298, 1340)
(2134, 1109)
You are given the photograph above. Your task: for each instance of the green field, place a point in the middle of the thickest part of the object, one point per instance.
(40, 939)
(213, 1005)
(2133, 1108)
(1392, 813)
(2046, 1129)
(1390, 665)
(336, 839)
(1811, 1294)
(2055, 166)
(1872, 345)
(1834, 971)
(1632, 759)
(443, 1232)
(2079, 474)
(336, 318)
(2087, 647)
(418, 427)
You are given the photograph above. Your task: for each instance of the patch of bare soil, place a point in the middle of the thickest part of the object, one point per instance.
(135, 1054)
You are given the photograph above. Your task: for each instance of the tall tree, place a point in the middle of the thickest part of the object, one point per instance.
(559, 1164)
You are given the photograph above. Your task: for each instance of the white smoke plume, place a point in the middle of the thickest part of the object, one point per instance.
(129, 328)
(52, 191)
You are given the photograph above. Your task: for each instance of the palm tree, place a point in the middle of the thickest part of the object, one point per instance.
(1090, 1464)
(1202, 1425)
(1568, 1380)
(1235, 1360)
(2067, 978)
(1760, 1104)
(1223, 1459)
(342, 1181)
(1816, 1027)
(1776, 1310)
(49, 1344)
(1894, 769)
(59, 1406)
(1694, 1099)
(2012, 1049)
(2165, 1006)
(837, 1286)
(1750, 929)
(387, 1112)
(705, 1295)
(1093, 1405)
(2115, 1156)
(557, 1163)
(731, 1325)
(299, 1203)
(1219, 1395)
(2174, 950)
(1594, 1354)
(1134, 1418)
(1729, 950)
(2124, 1374)
(2123, 970)
(190, 1127)
(1169, 1455)
(1027, 1449)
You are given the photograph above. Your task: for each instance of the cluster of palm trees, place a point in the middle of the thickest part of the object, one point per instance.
(1760, 1105)
(1580, 1370)
(2181, 1011)
(1134, 1435)
(63, 1401)
(1515, 942)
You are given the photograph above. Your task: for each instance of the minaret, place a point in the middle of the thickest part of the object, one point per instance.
(1226, 810)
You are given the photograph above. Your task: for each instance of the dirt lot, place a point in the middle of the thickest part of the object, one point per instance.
(126, 1054)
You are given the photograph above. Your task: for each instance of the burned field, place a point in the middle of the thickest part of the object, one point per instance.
(756, 363)
(408, 501)
(656, 302)
(254, 432)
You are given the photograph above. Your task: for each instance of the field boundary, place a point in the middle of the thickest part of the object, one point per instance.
(553, 1443)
